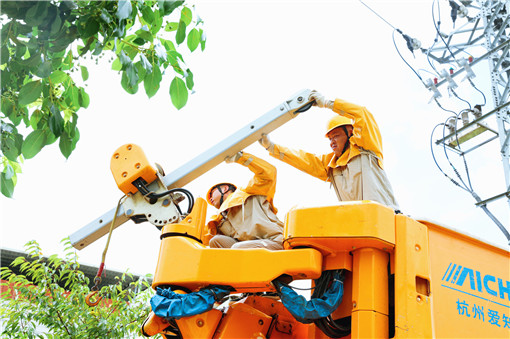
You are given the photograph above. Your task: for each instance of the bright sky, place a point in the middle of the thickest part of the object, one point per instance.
(258, 54)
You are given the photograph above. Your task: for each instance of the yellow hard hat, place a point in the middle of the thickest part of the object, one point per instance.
(337, 121)
(209, 192)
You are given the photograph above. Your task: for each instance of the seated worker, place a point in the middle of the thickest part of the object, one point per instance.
(355, 165)
(246, 216)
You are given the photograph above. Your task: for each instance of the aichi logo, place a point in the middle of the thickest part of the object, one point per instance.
(476, 281)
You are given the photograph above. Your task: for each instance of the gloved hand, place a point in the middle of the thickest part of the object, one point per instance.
(320, 100)
(234, 158)
(265, 141)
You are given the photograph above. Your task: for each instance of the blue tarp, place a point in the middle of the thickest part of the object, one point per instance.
(168, 304)
(306, 311)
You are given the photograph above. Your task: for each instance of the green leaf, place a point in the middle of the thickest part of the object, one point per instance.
(169, 46)
(68, 60)
(129, 80)
(84, 98)
(110, 45)
(120, 30)
(84, 73)
(124, 59)
(124, 9)
(15, 165)
(37, 13)
(139, 41)
(66, 145)
(35, 118)
(7, 106)
(202, 39)
(6, 185)
(186, 15)
(105, 16)
(147, 14)
(168, 6)
(17, 116)
(71, 97)
(189, 80)
(152, 81)
(116, 65)
(98, 49)
(72, 127)
(145, 34)
(160, 51)
(56, 121)
(180, 35)
(178, 93)
(132, 74)
(157, 23)
(50, 137)
(9, 172)
(9, 148)
(30, 92)
(44, 69)
(58, 77)
(75, 136)
(130, 50)
(175, 59)
(87, 27)
(193, 39)
(171, 26)
(146, 64)
(56, 25)
(4, 55)
(34, 142)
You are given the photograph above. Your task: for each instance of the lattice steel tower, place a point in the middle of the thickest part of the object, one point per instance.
(483, 36)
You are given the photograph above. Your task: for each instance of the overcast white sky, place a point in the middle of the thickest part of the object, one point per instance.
(258, 54)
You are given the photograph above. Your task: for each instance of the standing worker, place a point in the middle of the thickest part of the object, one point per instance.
(355, 167)
(246, 216)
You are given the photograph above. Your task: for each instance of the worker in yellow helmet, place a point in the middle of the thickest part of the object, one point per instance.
(246, 216)
(355, 167)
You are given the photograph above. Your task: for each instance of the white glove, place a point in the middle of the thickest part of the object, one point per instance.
(320, 100)
(234, 158)
(265, 141)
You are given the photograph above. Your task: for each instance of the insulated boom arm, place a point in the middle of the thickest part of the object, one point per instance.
(209, 159)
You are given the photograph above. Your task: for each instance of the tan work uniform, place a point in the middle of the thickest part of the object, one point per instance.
(247, 218)
(358, 173)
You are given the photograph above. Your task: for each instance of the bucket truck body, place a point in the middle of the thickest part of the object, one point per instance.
(402, 278)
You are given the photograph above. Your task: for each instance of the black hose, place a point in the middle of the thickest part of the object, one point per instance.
(191, 200)
(153, 197)
(331, 328)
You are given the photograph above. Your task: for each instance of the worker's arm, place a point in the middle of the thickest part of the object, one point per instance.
(304, 161)
(366, 133)
(264, 179)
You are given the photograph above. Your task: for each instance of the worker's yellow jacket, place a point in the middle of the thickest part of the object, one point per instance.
(358, 173)
(250, 213)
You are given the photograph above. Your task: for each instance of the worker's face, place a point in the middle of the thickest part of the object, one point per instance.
(338, 138)
(216, 195)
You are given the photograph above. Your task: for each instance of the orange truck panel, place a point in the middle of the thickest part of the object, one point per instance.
(470, 286)
(412, 280)
(187, 263)
(201, 325)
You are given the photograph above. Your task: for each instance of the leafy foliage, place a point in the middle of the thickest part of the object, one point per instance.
(47, 299)
(42, 44)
